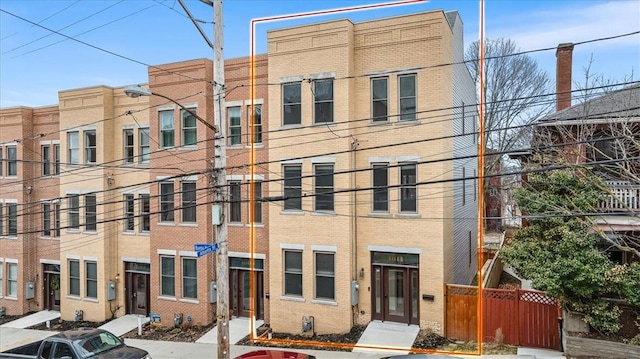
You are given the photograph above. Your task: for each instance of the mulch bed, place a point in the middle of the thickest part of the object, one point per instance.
(185, 333)
(336, 342)
(60, 325)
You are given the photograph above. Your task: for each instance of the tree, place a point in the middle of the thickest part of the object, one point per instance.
(559, 250)
(516, 93)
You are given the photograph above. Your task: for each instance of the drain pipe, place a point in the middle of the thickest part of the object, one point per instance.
(354, 223)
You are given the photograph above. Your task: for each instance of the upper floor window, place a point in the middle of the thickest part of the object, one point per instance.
(291, 104)
(167, 129)
(73, 144)
(145, 213)
(128, 146)
(12, 219)
(166, 202)
(73, 210)
(323, 101)
(12, 161)
(145, 152)
(46, 160)
(407, 98)
(56, 159)
(1, 162)
(189, 202)
(379, 99)
(189, 130)
(324, 187)
(90, 147)
(90, 213)
(235, 131)
(408, 188)
(257, 123)
(381, 188)
(257, 204)
(293, 187)
(235, 211)
(129, 215)
(1, 224)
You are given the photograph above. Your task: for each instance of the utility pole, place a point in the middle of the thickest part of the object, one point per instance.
(220, 154)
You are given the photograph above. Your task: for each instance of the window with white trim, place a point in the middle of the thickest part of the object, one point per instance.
(379, 99)
(45, 152)
(324, 187)
(1, 278)
(189, 129)
(257, 203)
(12, 219)
(91, 283)
(189, 208)
(257, 122)
(1, 161)
(380, 191)
(291, 104)
(325, 286)
(145, 213)
(235, 202)
(166, 202)
(189, 278)
(56, 159)
(129, 215)
(73, 210)
(167, 129)
(407, 97)
(1, 221)
(90, 213)
(90, 147)
(74, 277)
(145, 152)
(292, 273)
(235, 130)
(12, 161)
(73, 145)
(292, 187)
(167, 276)
(12, 279)
(323, 101)
(128, 146)
(46, 219)
(408, 188)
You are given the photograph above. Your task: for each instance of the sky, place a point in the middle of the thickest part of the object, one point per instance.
(36, 63)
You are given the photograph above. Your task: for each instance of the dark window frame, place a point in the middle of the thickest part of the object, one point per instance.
(291, 103)
(378, 103)
(292, 276)
(323, 104)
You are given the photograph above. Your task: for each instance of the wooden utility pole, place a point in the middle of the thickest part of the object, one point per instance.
(220, 153)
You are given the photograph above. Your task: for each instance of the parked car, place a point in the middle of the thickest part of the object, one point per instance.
(420, 356)
(77, 344)
(274, 354)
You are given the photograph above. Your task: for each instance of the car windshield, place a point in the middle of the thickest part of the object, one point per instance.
(97, 344)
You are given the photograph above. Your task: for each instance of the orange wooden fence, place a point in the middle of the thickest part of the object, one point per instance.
(525, 317)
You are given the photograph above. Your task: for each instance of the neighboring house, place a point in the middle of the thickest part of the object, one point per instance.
(377, 217)
(607, 129)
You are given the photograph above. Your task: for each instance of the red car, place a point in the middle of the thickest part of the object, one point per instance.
(274, 354)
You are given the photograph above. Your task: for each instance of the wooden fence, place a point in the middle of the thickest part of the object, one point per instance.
(525, 317)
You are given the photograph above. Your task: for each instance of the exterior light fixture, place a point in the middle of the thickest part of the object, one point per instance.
(135, 91)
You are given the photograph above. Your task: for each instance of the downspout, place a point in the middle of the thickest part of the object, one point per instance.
(354, 219)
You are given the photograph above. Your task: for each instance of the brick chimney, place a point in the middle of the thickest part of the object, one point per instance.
(564, 55)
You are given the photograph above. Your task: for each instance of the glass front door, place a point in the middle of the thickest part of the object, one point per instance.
(395, 294)
(241, 293)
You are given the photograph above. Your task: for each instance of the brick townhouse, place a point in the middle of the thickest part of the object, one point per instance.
(377, 216)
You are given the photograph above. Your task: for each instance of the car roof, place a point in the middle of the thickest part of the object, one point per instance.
(274, 354)
(79, 333)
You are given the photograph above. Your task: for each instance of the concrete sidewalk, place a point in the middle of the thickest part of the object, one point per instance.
(238, 329)
(396, 336)
(125, 324)
(33, 319)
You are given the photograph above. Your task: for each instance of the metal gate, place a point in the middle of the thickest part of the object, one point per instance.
(525, 317)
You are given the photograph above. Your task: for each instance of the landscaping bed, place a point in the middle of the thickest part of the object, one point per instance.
(184, 333)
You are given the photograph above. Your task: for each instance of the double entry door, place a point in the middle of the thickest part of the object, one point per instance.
(395, 294)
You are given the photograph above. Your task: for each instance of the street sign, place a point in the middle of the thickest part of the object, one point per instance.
(199, 247)
(205, 249)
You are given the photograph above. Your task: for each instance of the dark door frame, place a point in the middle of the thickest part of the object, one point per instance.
(410, 293)
(236, 294)
(49, 293)
(131, 290)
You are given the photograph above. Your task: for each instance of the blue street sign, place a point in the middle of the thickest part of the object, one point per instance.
(199, 247)
(205, 249)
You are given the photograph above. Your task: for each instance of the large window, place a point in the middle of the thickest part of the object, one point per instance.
(235, 203)
(408, 188)
(12, 161)
(189, 202)
(145, 152)
(235, 130)
(407, 100)
(166, 202)
(145, 216)
(325, 276)
(128, 146)
(381, 188)
(56, 206)
(257, 122)
(189, 278)
(90, 147)
(12, 279)
(56, 159)
(257, 204)
(291, 104)
(323, 100)
(91, 284)
(379, 99)
(129, 215)
(90, 213)
(189, 130)
(168, 276)
(293, 187)
(46, 160)
(293, 273)
(73, 210)
(73, 143)
(12, 219)
(74, 277)
(324, 187)
(167, 129)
